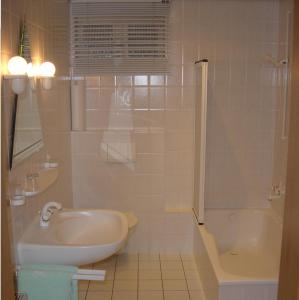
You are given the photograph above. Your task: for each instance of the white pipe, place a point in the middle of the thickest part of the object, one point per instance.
(202, 113)
(285, 120)
(78, 104)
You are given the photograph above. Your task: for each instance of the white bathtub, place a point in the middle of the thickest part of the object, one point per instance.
(238, 254)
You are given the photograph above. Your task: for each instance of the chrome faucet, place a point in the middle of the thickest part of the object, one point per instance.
(47, 211)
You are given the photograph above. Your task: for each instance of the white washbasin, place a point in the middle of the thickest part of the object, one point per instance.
(74, 237)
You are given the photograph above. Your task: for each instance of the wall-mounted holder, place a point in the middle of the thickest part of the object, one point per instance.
(46, 72)
(50, 163)
(46, 82)
(18, 83)
(36, 183)
(19, 71)
(275, 62)
(18, 200)
(42, 181)
(277, 192)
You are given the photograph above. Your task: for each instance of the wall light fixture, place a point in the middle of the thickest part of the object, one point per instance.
(46, 72)
(17, 67)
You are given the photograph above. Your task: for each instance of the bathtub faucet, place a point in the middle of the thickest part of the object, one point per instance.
(47, 211)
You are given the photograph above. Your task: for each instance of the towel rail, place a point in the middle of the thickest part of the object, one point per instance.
(86, 274)
(82, 274)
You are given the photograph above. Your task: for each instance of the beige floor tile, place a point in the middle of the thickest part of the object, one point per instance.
(128, 257)
(194, 284)
(191, 274)
(196, 295)
(97, 295)
(127, 265)
(189, 265)
(83, 285)
(171, 265)
(126, 274)
(102, 266)
(170, 257)
(81, 295)
(109, 274)
(149, 265)
(109, 270)
(150, 295)
(174, 285)
(149, 257)
(125, 285)
(150, 285)
(173, 274)
(124, 295)
(106, 285)
(176, 295)
(149, 274)
(187, 257)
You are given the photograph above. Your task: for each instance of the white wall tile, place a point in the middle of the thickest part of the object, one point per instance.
(240, 81)
(158, 112)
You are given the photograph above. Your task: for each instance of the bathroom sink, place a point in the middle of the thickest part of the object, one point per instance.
(74, 237)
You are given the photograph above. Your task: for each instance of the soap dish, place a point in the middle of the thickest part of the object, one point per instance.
(50, 165)
(17, 200)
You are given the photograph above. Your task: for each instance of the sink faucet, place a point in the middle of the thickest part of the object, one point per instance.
(47, 211)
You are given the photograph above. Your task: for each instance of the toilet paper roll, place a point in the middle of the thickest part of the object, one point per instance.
(78, 104)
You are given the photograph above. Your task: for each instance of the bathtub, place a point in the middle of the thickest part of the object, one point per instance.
(237, 253)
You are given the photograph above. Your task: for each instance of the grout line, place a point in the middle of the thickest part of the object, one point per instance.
(138, 276)
(185, 276)
(85, 297)
(161, 276)
(116, 260)
(86, 292)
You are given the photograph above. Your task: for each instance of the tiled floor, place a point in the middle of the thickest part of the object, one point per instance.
(145, 277)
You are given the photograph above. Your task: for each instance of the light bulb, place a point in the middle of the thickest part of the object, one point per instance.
(32, 70)
(17, 65)
(47, 69)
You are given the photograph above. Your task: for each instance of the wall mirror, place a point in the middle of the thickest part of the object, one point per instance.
(26, 130)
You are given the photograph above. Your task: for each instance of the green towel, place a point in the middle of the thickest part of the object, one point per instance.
(48, 282)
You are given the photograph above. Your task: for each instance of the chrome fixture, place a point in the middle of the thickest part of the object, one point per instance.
(47, 211)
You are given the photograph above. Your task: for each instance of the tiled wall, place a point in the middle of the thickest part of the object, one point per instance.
(243, 89)
(154, 115)
(53, 104)
(148, 120)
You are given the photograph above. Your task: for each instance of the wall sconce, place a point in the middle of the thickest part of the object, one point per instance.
(32, 72)
(19, 70)
(46, 72)
(17, 67)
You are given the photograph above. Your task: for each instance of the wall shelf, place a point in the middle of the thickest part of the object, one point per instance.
(46, 178)
(43, 179)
